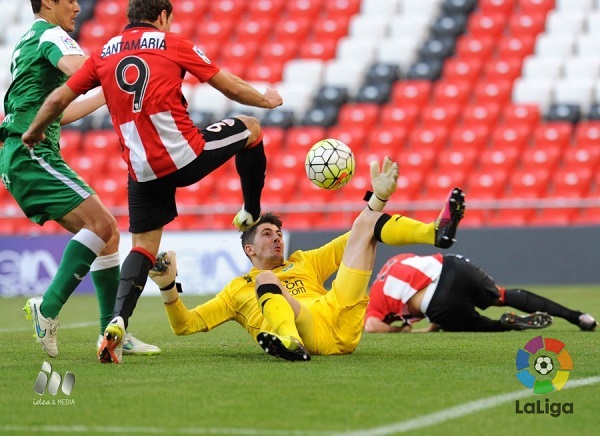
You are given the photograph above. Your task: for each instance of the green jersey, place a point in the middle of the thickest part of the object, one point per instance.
(35, 74)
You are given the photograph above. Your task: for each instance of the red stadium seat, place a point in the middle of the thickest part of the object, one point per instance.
(331, 28)
(503, 7)
(587, 133)
(228, 190)
(536, 6)
(503, 69)
(364, 157)
(438, 183)
(479, 114)
(470, 137)
(359, 114)
(94, 34)
(479, 48)
(214, 31)
(185, 26)
(101, 141)
(354, 136)
(570, 183)
(344, 8)
(420, 159)
(558, 133)
(308, 9)
(528, 184)
(587, 216)
(528, 114)
(273, 137)
(399, 116)
(509, 217)
(486, 184)
(461, 69)
(195, 9)
(265, 9)
(235, 52)
(70, 142)
(303, 137)
(499, 158)
(227, 9)
(541, 156)
(581, 156)
(455, 92)
(387, 137)
(323, 49)
(515, 47)
(411, 92)
(278, 51)
(486, 24)
(108, 11)
(428, 137)
(516, 136)
(440, 115)
(268, 72)
(196, 194)
(277, 187)
(475, 218)
(255, 30)
(291, 29)
(493, 91)
(457, 159)
(526, 25)
(409, 185)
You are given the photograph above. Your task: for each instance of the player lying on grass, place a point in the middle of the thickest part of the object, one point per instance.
(283, 303)
(446, 290)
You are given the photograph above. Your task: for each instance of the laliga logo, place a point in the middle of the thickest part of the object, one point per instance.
(544, 365)
(551, 364)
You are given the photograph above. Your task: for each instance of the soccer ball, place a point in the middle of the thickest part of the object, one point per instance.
(543, 365)
(330, 164)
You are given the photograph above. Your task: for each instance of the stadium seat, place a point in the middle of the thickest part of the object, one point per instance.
(305, 9)
(449, 25)
(515, 47)
(347, 73)
(420, 159)
(70, 142)
(399, 115)
(303, 137)
(570, 183)
(565, 22)
(214, 31)
(437, 48)
(581, 157)
(457, 69)
(584, 67)
(486, 184)
(515, 136)
(385, 137)
(323, 49)
(291, 29)
(492, 91)
(277, 187)
(545, 67)
(368, 26)
(555, 45)
(473, 137)
(382, 73)
(354, 135)
(509, 217)
(574, 91)
(526, 114)
(359, 114)
(380, 7)
(552, 217)
(330, 28)
(239, 52)
(485, 115)
(425, 69)
(349, 46)
(226, 9)
(562, 112)
(459, 6)
(273, 137)
(541, 156)
(374, 93)
(486, 24)
(331, 96)
(437, 183)
(503, 7)
(445, 92)
(478, 48)
(587, 133)
(499, 158)
(278, 118)
(526, 25)
(553, 133)
(536, 6)
(278, 51)
(324, 116)
(528, 184)
(409, 185)
(267, 72)
(428, 137)
(411, 92)
(440, 115)
(587, 216)
(264, 9)
(461, 160)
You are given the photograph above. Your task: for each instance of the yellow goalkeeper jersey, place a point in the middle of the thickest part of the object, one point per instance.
(303, 275)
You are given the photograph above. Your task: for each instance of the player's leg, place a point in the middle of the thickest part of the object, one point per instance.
(284, 341)
(527, 301)
(251, 166)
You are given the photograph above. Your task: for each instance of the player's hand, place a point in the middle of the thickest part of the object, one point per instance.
(31, 139)
(273, 98)
(384, 180)
(164, 271)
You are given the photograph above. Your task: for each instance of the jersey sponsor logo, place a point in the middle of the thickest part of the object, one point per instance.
(156, 41)
(69, 43)
(294, 286)
(200, 53)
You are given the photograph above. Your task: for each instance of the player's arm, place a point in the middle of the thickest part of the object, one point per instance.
(237, 89)
(54, 105)
(432, 328)
(82, 107)
(374, 325)
(327, 259)
(69, 64)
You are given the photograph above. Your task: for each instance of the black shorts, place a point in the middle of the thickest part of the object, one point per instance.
(462, 287)
(152, 204)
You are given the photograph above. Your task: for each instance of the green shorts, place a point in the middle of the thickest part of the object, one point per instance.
(41, 182)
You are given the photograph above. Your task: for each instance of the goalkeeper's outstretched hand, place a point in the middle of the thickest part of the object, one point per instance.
(383, 181)
(165, 269)
(243, 220)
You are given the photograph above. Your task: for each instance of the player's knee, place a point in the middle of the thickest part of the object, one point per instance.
(365, 222)
(253, 125)
(267, 282)
(105, 226)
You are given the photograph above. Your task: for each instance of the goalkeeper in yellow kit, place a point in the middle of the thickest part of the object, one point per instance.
(283, 303)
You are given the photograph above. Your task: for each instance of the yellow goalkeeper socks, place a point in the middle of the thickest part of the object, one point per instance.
(401, 230)
(278, 312)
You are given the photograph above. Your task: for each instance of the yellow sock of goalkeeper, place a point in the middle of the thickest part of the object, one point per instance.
(276, 310)
(401, 230)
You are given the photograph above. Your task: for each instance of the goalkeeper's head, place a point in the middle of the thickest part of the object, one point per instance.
(249, 234)
(263, 242)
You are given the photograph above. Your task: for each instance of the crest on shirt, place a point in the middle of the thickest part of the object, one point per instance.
(69, 42)
(201, 54)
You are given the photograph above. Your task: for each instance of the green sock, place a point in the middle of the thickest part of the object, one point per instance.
(105, 274)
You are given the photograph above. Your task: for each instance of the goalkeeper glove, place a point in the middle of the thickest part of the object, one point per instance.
(383, 183)
(243, 220)
(164, 271)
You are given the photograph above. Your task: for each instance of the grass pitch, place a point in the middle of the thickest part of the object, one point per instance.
(222, 383)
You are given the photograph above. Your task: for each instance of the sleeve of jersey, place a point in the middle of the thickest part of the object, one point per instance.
(192, 59)
(56, 43)
(327, 259)
(84, 79)
(202, 318)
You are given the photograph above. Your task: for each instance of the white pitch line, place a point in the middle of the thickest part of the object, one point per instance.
(76, 325)
(395, 428)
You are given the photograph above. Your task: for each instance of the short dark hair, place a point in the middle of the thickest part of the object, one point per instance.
(36, 5)
(147, 10)
(269, 217)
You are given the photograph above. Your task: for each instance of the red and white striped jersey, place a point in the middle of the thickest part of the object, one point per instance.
(141, 72)
(398, 280)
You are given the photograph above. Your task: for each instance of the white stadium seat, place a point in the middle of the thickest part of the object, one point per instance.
(587, 45)
(533, 91)
(574, 5)
(380, 7)
(427, 8)
(369, 26)
(565, 22)
(205, 98)
(358, 48)
(574, 91)
(345, 73)
(554, 45)
(582, 66)
(547, 67)
(402, 52)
